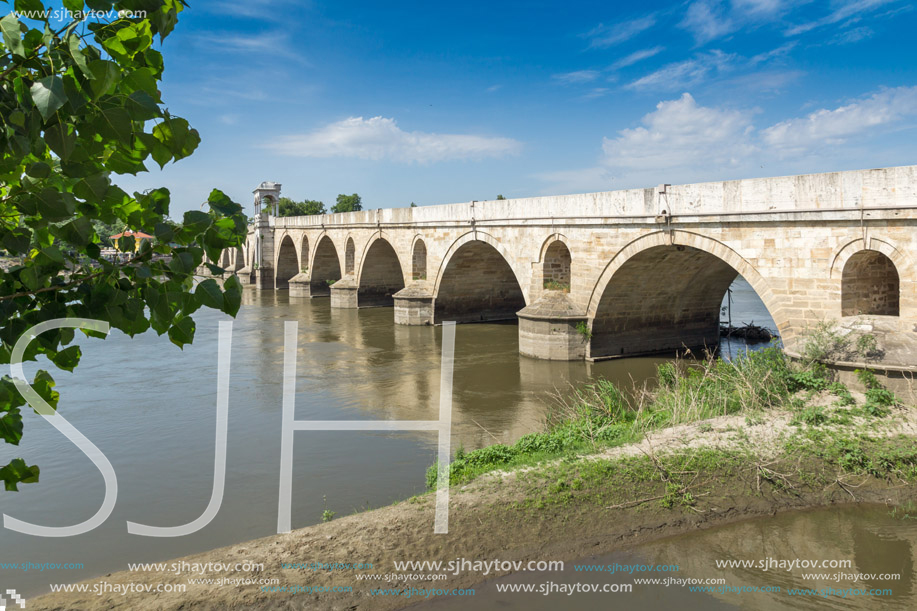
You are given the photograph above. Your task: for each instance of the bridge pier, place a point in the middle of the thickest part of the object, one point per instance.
(300, 285)
(414, 305)
(344, 293)
(553, 328)
(245, 276)
(264, 279)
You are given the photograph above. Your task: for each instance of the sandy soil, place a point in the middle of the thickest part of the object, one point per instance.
(486, 524)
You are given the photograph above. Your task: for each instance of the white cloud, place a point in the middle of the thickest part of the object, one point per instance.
(706, 20)
(577, 77)
(265, 10)
(636, 56)
(780, 51)
(832, 127)
(684, 74)
(604, 36)
(760, 7)
(380, 138)
(768, 81)
(596, 92)
(683, 142)
(272, 43)
(852, 36)
(846, 10)
(681, 132)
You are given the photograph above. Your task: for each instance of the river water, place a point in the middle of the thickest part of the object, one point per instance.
(150, 408)
(873, 550)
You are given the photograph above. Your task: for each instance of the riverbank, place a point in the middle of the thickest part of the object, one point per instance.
(709, 446)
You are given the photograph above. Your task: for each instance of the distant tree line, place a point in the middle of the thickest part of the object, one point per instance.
(345, 203)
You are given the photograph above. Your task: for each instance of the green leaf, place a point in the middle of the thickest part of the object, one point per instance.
(209, 294)
(39, 169)
(232, 295)
(67, 358)
(106, 75)
(61, 138)
(44, 386)
(17, 241)
(74, 46)
(177, 136)
(16, 472)
(48, 95)
(141, 79)
(163, 232)
(182, 263)
(74, 6)
(221, 203)
(50, 255)
(54, 205)
(32, 280)
(34, 7)
(77, 232)
(182, 332)
(12, 35)
(196, 221)
(11, 426)
(142, 107)
(117, 125)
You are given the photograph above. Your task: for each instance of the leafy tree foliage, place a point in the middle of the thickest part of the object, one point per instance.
(288, 207)
(499, 197)
(79, 103)
(348, 203)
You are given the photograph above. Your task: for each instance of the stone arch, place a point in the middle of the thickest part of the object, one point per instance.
(238, 259)
(287, 263)
(381, 274)
(658, 295)
(304, 253)
(225, 259)
(418, 259)
(556, 264)
(350, 253)
(325, 268)
(870, 285)
(477, 283)
(842, 255)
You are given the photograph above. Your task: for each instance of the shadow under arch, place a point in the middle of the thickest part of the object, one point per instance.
(325, 267)
(381, 274)
(661, 295)
(287, 263)
(476, 282)
(894, 266)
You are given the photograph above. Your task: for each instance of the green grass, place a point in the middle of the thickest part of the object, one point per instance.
(601, 414)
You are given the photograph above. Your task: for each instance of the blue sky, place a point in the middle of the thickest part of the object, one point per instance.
(447, 102)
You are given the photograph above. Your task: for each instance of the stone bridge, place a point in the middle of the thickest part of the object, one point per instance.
(619, 273)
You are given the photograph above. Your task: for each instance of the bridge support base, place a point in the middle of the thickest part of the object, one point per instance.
(553, 328)
(264, 279)
(344, 293)
(245, 276)
(414, 305)
(301, 286)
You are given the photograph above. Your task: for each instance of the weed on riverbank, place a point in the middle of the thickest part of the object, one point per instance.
(602, 415)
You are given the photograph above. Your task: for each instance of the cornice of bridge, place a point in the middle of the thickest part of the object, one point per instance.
(904, 214)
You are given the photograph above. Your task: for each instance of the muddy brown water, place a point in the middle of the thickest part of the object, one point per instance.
(150, 408)
(877, 547)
